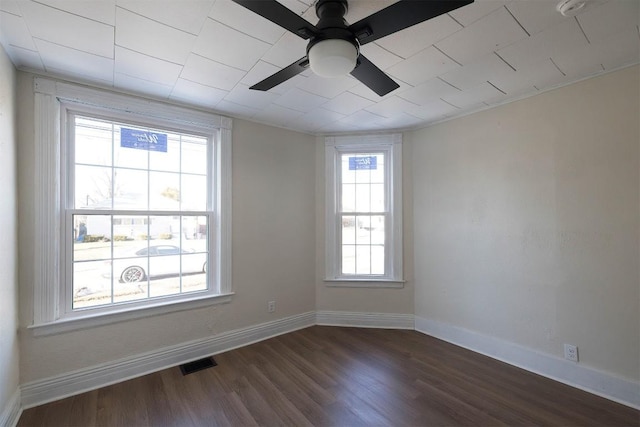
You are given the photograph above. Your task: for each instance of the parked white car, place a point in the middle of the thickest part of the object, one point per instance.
(156, 260)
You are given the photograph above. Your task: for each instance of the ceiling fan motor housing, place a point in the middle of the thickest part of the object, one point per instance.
(335, 49)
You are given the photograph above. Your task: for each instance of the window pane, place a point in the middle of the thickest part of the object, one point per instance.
(348, 259)
(348, 198)
(363, 259)
(130, 189)
(194, 268)
(93, 187)
(194, 155)
(348, 230)
(377, 198)
(377, 259)
(194, 233)
(93, 142)
(164, 191)
(363, 231)
(91, 286)
(363, 198)
(193, 193)
(168, 161)
(377, 230)
(126, 156)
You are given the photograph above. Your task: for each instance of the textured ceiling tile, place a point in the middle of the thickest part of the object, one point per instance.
(390, 107)
(477, 72)
(297, 99)
(196, 93)
(236, 109)
(152, 38)
(555, 41)
(317, 118)
(69, 30)
(478, 9)
(246, 21)
(347, 103)
(207, 72)
(433, 110)
(414, 39)
(526, 78)
(14, 32)
(288, 49)
(537, 15)
(228, 46)
(382, 58)
(10, 6)
(484, 36)
(145, 67)
(474, 96)
(241, 94)
(610, 18)
(138, 85)
(278, 115)
(24, 58)
(185, 15)
(428, 92)
(327, 87)
(423, 66)
(101, 11)
(74, 62)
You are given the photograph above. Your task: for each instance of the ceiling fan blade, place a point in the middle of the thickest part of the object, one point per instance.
(283, 75)
(281, 15)
(373, 77)
(401, 15)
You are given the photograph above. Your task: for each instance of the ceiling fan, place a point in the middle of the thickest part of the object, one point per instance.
(334, 45)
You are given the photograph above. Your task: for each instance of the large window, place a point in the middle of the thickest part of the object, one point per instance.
(132, 207)
(141, 206)
(364, 198)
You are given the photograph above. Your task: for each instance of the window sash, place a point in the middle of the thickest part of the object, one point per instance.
(390, 147)
(70, 210)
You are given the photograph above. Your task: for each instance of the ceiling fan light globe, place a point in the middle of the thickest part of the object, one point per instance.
(333, 58)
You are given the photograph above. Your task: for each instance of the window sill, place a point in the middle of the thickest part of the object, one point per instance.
(365, 283)
(93, 320)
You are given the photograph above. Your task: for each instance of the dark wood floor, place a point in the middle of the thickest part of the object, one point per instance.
(329, 376)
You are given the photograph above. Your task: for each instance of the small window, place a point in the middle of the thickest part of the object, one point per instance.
(364, 197)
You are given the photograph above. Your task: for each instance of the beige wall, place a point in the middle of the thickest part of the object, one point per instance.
(9, 374)
(364, 300)
(273, 253)
(527, 222)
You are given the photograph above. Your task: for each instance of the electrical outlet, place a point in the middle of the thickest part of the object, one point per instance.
(271, 306)
(571, 352)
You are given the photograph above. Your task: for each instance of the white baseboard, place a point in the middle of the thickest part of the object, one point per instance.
(11, 413)
(72, 383)
(588, 379)
(365, 320)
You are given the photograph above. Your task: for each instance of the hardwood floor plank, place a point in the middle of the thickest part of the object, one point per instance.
(331, 376)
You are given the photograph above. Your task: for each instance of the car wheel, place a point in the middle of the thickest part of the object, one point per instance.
(204, 268)
(132, 274)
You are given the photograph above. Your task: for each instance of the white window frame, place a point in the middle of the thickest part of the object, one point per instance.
(52, 101)
(391, 146)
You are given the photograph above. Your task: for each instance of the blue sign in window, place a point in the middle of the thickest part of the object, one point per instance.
(357, 163)
(143, 140)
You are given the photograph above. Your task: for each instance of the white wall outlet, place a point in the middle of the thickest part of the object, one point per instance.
(271, 306)
(571, 352)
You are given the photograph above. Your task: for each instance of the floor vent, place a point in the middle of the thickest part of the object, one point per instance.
(197, 365)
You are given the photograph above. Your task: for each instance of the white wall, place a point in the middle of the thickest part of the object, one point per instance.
(9, 374)
(527, 221)
(273, 253)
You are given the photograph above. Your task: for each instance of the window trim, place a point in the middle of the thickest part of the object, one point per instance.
(391, 144)
(51, 98)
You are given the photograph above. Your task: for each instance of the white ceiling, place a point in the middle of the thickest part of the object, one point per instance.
(208, 52)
